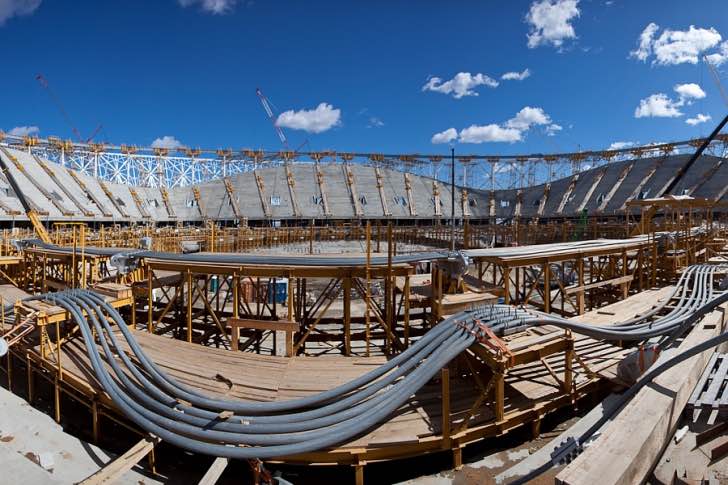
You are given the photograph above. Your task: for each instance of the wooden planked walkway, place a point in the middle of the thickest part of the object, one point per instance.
(413, 429)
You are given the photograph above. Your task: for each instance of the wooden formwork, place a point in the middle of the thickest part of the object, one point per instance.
(195, 302)
(475, 397)
(570, 281)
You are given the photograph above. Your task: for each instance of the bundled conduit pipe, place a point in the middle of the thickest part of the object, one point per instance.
(200, 423)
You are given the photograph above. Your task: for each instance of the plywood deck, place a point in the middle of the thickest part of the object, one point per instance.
(268, 378)
(529, 388)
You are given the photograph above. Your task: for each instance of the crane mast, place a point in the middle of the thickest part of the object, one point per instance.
(271, 116)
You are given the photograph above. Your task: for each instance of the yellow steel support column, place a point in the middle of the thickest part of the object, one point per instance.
(189, 305)
(150, 315)
(445, 378)
(347, 315)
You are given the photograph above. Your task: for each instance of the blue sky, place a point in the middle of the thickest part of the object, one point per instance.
(188, 69)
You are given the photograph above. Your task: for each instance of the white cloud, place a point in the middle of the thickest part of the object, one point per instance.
(462, 84)
(215, 7)
(527, 117)
(318, 120)
(511, 131)
(661, 106)
(445, 136)
(167, 141)
(550, 22)
(689, 91)
(677, 47)
(674, 47)
(490, 133)
(552, 129)
(516, 76)
(699, 118)
(619, 145)
(17, 8)
(24, 130)
(658, 106)
(719, 57)
(374, 122)
(645, 45)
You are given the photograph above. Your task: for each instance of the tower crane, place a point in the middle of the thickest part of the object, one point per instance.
(44, 84)
(716, 78)
(271, 116)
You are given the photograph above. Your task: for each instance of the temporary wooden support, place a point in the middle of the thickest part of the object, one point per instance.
(285, 326)
(410, 197)
(567, 194)
(63, 187)
(544, 199)
(139, 203)
(382, 196)
(436, 198)
(623, 175)
(111, 197)
(89, 194)
(349, 174)
(232, 197)
(292, 191)
(117, 468)
(598, 178)
(561, 280)
(167, 203)
(198, 199)
(322, 190)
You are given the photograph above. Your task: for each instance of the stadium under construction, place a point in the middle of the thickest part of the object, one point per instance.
(201, 310)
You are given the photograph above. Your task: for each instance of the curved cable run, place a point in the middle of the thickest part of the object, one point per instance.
(201, 423)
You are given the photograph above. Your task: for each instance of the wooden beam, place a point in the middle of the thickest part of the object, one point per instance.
(614, 281)
(214, 472)
(635, 439)
(116, 469)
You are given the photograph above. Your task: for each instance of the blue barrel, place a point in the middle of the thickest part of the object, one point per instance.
(278, 292)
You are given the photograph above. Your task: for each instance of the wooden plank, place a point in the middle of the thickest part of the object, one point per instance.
(631, 443)
(279, 325)
(614, 281)
(213, 473)
(116, 469)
